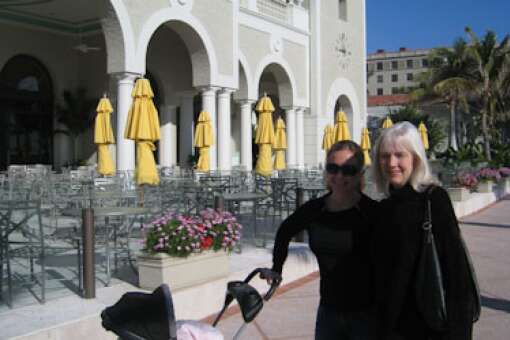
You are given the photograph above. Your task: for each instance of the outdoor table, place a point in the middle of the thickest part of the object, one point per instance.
(312, 190)
(107, 213)
(240, 197)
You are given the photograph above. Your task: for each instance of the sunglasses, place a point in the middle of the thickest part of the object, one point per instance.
(346, 169)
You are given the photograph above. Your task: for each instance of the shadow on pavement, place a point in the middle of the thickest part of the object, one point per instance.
(495, 303)
(490, 225)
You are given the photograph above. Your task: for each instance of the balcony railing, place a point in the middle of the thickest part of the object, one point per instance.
(292, 12)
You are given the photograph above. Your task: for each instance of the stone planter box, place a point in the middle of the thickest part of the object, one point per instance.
(459, 194)
(485, 186)
(177, 272)
(504, 185)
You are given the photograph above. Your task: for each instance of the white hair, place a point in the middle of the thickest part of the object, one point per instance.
(403, 134)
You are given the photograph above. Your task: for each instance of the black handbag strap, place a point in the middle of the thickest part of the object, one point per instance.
(427, 223)
(427, 226)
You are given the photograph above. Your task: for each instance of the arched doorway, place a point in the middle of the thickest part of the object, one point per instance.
(275, 83)
(26, 118)
(178, 59)
(344, 104)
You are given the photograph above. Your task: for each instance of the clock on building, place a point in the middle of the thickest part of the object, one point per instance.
(343, 50)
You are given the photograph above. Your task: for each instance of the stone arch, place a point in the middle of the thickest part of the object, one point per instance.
(283, 75)
(245, 81)
(194, 35)
(342, 93)
(27, 96)
(119, 37)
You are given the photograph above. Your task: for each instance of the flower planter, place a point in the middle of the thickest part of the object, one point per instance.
(504, 185)
(485, 186)
(155, 269)
(459, 194)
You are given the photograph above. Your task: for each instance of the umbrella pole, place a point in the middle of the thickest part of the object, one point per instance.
(142, 195)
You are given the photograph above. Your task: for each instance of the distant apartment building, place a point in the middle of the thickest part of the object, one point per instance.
(392, 73)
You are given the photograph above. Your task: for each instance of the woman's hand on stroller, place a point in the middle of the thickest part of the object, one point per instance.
(270, 276)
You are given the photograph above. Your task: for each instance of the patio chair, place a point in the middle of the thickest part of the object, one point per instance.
(22, 248)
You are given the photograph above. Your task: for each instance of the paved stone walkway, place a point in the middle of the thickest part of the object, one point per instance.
(291, 313)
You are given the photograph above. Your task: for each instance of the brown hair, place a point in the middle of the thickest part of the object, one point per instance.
(358, 157)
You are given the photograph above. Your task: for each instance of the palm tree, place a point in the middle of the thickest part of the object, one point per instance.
(76, 113)
(491, 63)
(448, 79)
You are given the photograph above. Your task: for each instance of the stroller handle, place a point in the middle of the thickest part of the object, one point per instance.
(267, 274)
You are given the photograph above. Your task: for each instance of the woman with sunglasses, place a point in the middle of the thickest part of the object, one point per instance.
(402, 173)
(339, 233)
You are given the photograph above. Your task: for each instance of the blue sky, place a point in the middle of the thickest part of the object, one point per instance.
(431, 23)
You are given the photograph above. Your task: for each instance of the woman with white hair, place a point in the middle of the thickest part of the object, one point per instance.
(402, 173)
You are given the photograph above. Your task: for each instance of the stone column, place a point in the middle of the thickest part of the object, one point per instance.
(290, 127)
(300, 137)
(186, 128)
(168, 142)
(209, 105)
(224, 130)
(246, 134)
(125, 147)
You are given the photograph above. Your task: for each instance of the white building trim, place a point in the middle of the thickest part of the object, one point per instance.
(128, 36)
(181, 15)
(343, 86)
(288, 96)
(250, 83)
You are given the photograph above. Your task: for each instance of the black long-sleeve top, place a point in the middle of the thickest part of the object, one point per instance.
(397, 248)
(341, 242)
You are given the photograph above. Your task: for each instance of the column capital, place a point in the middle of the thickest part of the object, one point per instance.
(124, 77)
(245, 101)
(301, 109)
(289, 108)
(208, 89)
(226, 90)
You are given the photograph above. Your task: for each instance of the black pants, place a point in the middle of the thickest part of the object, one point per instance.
(334, 325)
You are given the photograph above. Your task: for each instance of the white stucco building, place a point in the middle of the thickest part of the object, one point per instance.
(213, 55)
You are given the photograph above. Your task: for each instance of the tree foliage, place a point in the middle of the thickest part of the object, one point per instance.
(413, 115)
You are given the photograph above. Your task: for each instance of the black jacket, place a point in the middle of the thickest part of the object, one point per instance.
(396, 250)
(342, 243)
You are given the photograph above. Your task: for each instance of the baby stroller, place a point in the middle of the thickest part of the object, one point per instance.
(150, 316)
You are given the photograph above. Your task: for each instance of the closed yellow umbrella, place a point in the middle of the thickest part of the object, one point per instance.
(365, 146)
(387, 123)
(203, 140)
(424, 135)
(280, 145)
(341, 128)
(103, 136)
(143, 127)
(264, 136)
(327, 139)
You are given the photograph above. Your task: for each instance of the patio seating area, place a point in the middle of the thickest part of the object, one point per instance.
(41, 244)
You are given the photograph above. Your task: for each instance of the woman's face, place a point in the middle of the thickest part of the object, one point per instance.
(396, 164)
(343, 177)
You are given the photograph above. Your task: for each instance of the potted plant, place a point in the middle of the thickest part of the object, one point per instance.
(76, 113)
(504, 172)
(486, 179)
(463, 184)
(185, 250)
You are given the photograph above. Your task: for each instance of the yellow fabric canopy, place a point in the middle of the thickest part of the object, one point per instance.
(365, 146)
(103, 135)
(328, 138)
(264, 136)
(203, 140)
(387, 123)
(280, 145)
(341, 131)
(424, 135)
(143, 127)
